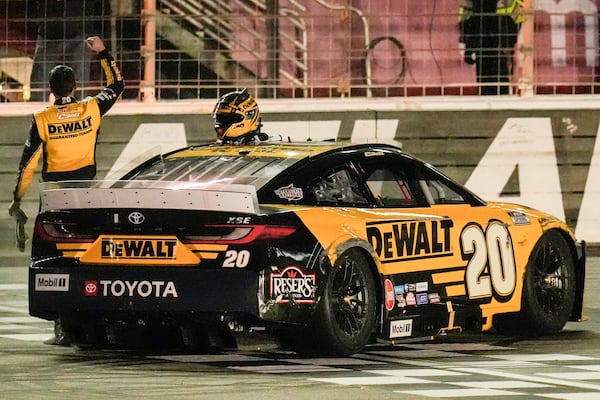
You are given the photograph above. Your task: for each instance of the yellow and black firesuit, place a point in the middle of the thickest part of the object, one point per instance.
(66, 134)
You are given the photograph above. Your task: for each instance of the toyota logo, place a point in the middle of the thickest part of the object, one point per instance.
(136, 217)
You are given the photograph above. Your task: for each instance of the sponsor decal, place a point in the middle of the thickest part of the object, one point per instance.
(51, 282)
(410, 299)
(519, 218)
(119, 288)
(68, 115)
(421, 298)
(90, 288)
(389, 295)
(137, 250)
(292, 285)
(132, 248)
(410, 287)
(399, 289)
(400, 301)
(409, 240)
(422, 286)
(289, 192)
(401, 328)
(69, 129)
(434, 298)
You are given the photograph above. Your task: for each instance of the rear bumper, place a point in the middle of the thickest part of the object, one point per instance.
(102, 290)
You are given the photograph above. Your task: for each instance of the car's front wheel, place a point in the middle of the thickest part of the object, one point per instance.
(346, 314)
(548, 290)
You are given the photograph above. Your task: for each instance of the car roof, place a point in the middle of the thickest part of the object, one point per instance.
(279, 150)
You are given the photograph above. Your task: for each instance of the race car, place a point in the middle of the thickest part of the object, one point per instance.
(327, 247)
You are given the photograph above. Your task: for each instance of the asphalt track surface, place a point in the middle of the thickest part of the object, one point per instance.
(487, 366)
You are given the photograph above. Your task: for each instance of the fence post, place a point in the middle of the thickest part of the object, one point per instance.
(148, 84)
(272, 30)
(526, 50)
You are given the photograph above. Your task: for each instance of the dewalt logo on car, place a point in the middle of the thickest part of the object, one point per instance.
(138, 249)
(405, 240)
(142, 250)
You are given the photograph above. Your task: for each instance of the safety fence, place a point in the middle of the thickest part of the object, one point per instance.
(195, 49)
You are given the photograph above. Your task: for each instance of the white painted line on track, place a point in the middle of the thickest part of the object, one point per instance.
(541, 357)
(286, 369)
(13, 286)
(510, 384)
(536, 378)
(570, 396)
(374, 380)
(28, 337)
(332, 361)
(461, 393)
(576, 376)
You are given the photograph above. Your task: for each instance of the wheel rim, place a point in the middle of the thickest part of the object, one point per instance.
(551, 280)
(350, 295)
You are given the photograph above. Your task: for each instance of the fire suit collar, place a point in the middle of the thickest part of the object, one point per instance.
(65, 100)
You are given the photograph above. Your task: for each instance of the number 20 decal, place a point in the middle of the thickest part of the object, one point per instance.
(492, 249)
(236, 259)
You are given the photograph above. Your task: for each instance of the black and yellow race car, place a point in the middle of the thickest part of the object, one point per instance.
(327, 247)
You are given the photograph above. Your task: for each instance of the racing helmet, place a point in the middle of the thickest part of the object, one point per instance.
(236, 117)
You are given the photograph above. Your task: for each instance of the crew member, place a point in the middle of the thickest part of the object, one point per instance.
(65, 134)
(489, 30)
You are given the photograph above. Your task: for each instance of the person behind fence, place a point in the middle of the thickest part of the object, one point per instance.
(66, 133)
(489, 31)
(63, 26)
(237, 119)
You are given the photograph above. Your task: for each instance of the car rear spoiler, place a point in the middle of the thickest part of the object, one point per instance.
(68, 195)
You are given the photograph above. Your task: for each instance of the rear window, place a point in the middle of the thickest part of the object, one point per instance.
(247, 170)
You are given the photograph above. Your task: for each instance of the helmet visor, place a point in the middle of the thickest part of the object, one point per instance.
(224, 121)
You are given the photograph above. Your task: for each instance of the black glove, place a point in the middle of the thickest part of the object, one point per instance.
(20, 219)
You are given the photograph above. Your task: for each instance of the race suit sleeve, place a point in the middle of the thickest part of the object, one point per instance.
(114, 82)
(29, 161)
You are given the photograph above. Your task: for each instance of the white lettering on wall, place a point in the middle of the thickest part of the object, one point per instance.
(147, 141)
(557, 11)
(526, 143)
(589, 212)
(375, 131)
(300, 131)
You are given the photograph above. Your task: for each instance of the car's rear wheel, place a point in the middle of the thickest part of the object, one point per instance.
(548, 290)
(346, 314)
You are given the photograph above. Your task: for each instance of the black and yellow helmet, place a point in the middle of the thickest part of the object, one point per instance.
(236, 117)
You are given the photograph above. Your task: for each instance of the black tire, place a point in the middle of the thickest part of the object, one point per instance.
(548, 290)
(346, 314)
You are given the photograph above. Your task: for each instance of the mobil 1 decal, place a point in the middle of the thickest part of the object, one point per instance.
(491, 269)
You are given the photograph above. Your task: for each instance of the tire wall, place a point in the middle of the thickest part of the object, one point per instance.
(544, 158)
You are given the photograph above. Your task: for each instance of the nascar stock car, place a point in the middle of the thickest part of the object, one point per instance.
(326, 247)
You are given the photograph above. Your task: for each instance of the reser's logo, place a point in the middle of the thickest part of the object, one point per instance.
(136, 218)
(293, 285)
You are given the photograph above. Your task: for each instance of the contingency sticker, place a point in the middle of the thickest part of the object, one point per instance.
(289, 192)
